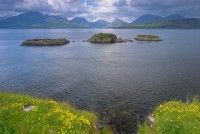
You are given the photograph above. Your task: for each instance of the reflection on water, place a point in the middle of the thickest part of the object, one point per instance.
(121, 82)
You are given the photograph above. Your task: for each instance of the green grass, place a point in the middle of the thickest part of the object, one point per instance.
(145, 129)
(105, 35)
(175, 117)
(47, 117)
(106, 130)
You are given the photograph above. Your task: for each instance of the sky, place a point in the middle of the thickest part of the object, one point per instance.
(92, 10)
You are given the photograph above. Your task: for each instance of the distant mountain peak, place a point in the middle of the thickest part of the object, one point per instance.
(102, 21)
(79, 20)
(99, 24)
(32, 13)
(116, 23)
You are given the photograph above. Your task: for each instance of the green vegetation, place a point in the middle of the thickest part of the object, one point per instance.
(47, 116)
(149, 25)
(105, 35)
(145, 129)
(106, 130)
(105, 38)
(175, 117)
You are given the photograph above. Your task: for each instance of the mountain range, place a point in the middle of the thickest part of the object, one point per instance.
(83, 22)
(39, 20)
(148, 18)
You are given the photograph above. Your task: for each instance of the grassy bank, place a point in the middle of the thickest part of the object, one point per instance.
(44, 116)
(175, 117)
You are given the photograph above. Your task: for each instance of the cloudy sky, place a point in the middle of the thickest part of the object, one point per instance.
(93, 10)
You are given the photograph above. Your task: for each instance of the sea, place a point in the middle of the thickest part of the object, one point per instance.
(122, 83)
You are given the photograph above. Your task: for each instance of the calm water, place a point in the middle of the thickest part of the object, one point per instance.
(121, 82)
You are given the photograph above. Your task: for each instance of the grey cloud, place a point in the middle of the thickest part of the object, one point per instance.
(159, 7)
(11, 2)
(124, 8)
(120, 3)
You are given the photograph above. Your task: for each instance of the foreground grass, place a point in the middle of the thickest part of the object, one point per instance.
(47, 117)
(175, 117)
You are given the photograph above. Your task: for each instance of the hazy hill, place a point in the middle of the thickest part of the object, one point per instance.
(80, 21)
(148, 18)
(116, 23)
(186, 23)
(36, 20)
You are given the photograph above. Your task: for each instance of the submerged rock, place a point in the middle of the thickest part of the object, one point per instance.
(105, 38)
(128, 40)
(45, 42)
(147, 38)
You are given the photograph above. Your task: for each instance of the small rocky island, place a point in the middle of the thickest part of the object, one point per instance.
(105, 38)
(148, 38)
(45, 42)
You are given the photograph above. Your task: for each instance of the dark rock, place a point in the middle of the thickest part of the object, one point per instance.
(147, 38)
(45, 42)
(128, 40)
